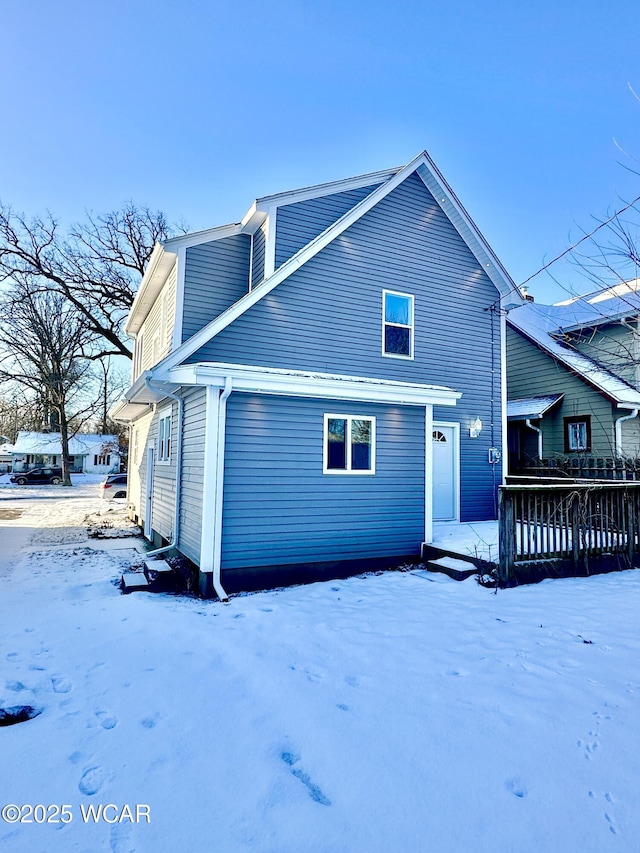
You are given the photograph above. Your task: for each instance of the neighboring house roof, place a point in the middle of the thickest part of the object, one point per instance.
(606, 305)
(6, 449)
(444, 196)
(47, 444)
(539, 323)
(531, 407)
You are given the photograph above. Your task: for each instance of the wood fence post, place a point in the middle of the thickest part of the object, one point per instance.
(631, 527)
(575, 530)
(506, 535)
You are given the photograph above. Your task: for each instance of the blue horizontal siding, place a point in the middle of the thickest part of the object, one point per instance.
(327, 316)
(297, 224)
(216, 276)
(193, 440)
(279, 508)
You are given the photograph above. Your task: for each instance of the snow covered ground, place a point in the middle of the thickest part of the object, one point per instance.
(400, 712)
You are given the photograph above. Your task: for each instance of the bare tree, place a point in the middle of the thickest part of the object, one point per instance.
(97, 267)
(43, 349)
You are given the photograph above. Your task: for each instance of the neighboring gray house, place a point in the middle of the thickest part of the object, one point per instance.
(316, 384)
(572, 377)
(89, 453)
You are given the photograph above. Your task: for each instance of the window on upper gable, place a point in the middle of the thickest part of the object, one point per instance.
(349, 444)
(397, 324)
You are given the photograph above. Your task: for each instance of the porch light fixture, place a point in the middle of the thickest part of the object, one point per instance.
(475, 429)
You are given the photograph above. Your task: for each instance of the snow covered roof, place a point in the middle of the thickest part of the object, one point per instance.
(602, 306)
(539, 323)
(49, 443)
(531, 407)
(6, 449)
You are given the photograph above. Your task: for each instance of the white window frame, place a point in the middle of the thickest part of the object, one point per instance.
(164, 452)
(325, 447)
(409, 326)
(137, 356)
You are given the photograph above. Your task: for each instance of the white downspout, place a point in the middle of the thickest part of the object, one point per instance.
(217, 537)
(176, 511)
(539, 431)
(618, 430)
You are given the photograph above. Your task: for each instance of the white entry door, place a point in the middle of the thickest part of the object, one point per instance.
(445, 471)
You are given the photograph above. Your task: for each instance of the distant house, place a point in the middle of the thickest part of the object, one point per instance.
(317, 383)
(5, 456)
(573, 377)
(91, 454)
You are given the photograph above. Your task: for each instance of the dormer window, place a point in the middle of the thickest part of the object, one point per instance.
(397, 325)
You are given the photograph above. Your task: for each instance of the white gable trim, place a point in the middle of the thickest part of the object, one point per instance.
(465, 226)
(319, 190)
(160, 265)
(206, 236)
(506, 285)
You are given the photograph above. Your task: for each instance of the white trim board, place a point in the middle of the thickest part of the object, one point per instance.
(300, 383)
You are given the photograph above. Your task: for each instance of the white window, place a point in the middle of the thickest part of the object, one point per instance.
(102, 459)
(137, 356)
(397, 324)
(134, 442)
(164, 436)
(349, 445)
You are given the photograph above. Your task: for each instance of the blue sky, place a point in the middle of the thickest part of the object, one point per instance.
(198, 107)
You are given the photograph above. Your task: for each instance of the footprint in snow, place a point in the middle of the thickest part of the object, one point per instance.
(352, 681)
(516, 787)
(107, 721)
(149, 722)
(92, 781)
(342, 707)
(316, 794)
(15, 686)
(61, 685)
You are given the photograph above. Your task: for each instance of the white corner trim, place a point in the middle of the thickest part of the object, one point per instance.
(428, 474)
(503, 392)
(178, 314)
(270, 243)
(207, 531)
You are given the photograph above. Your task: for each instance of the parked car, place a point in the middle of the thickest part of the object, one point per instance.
(37, 475)
(114, 486)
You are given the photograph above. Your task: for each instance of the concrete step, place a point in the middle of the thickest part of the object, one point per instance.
(458, 570)
(160, 575)
(430, 552)
(134, 582)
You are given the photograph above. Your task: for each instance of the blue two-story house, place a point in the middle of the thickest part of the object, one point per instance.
(316, 384)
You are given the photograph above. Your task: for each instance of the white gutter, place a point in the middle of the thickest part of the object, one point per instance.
(618, 430)
(176, 510)
(217, 537)
(539, 431)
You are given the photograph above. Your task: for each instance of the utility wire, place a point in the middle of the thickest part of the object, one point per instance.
(581, 240)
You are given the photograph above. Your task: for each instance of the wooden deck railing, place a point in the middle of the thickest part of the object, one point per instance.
(567, 525)
(582, 467)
